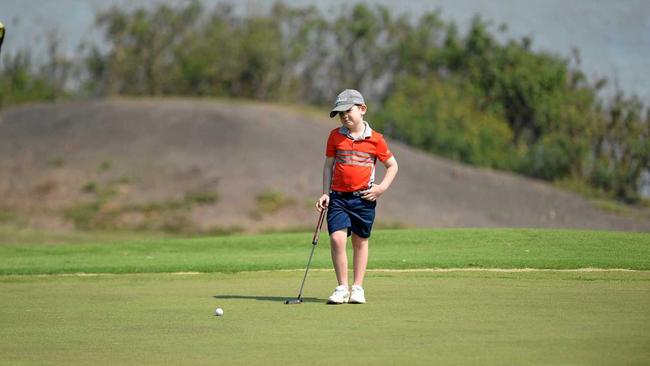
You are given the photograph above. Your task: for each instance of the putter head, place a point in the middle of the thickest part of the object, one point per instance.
(293, 301)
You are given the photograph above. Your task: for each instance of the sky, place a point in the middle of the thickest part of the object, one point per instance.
(613, 37)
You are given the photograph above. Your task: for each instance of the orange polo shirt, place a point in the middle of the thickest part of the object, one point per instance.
(354, 160)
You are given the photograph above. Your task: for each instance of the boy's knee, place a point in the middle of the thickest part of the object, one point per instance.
(339, 238)
(359, 242)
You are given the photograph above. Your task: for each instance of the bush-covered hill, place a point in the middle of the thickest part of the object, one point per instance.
(221, 166)
(468, 97)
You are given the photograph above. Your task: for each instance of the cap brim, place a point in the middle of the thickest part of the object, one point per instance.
(340, 108)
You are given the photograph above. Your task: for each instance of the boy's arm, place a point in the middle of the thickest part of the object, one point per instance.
(377, 190)
(324, 200)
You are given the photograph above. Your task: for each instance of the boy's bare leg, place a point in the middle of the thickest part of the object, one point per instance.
(360, 248)
(338, 240)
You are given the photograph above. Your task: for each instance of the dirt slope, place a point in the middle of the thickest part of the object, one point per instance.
(149, 155)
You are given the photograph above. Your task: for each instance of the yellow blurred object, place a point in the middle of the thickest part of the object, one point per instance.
(2, 34)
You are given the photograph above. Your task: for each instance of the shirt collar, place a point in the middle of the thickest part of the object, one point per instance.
(367, 132)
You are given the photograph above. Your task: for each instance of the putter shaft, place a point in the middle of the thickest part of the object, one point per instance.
(306, 270)
(314, 242)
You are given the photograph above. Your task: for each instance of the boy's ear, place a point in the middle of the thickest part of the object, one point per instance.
(363, 108)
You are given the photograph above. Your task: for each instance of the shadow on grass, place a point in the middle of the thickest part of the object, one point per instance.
(267, 298)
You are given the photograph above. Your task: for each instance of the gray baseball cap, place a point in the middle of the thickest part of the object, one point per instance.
(345, 100)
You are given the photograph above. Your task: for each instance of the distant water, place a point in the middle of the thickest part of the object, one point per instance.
(613, 36)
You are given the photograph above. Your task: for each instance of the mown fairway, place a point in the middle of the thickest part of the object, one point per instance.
(429, 317)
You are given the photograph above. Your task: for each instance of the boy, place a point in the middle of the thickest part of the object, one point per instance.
(349, 191)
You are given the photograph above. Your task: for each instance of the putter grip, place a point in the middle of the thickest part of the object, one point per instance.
(321, 218)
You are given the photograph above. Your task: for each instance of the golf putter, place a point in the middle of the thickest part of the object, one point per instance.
(314, 241)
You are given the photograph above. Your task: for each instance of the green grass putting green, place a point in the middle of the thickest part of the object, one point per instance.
(133, 311)
(390, 249)
(464, 318)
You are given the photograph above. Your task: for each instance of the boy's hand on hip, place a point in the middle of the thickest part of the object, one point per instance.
(373, 193)
(323, 202)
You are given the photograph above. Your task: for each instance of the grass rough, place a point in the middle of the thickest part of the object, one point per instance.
(390, 249)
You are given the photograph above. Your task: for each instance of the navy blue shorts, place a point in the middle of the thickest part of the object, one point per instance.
(350, 212)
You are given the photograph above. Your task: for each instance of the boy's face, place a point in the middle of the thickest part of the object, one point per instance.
(353, 116)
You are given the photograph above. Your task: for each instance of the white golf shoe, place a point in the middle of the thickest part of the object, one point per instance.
(357, 296)
(341, 295)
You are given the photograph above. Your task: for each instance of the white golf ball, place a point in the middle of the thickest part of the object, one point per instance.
(218, 312)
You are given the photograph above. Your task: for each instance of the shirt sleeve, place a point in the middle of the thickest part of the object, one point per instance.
(383, 152)
(330, 151)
